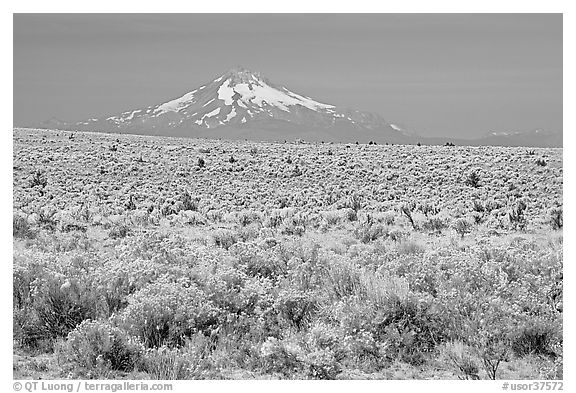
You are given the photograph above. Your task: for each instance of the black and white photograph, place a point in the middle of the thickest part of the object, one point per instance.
(287, 196)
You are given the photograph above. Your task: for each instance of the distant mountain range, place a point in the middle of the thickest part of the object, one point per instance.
(534, 138)
(241, 104)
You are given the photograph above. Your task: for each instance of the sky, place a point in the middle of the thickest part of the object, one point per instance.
(453, 75)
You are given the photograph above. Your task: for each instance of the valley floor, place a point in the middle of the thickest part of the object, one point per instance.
(163, 258)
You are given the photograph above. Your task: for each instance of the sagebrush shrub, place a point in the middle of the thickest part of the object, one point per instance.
(535, 337)
(39, 179)
(324, 336)
(429, 209)
(166, 313)
(257, 263)
(224, 238)
(463, 359)
(192, 218)
(350, 214)
(296, 307)
(516, 215)
(289, 228)
(274, 219)
(354, 202)
(281, 356)
(410, 327)
(434, 225)
(473, 179)
(490, 335)
(342, 279)
(47, 218)
(408, 210)
(48, 305)
(247, 217)
(94, 344)
(556, 218)
(249, 232)
(321, 364)
(368, 231)
(166, 363)
(214, 215)
(462, 226)
(189, 202)
(407, 246)
(556, 369)
(332, 218)
(397, 235)
(119, 231)
(21, 228)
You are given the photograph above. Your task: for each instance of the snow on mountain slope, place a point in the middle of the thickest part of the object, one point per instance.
(244, 99)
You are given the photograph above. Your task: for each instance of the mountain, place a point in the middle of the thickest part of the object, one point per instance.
(54, 123)
(534, 138)
(244, 104)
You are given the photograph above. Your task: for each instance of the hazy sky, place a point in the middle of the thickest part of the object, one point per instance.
(439, 74)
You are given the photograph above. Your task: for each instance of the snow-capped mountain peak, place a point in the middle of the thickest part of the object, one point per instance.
(242, 88)
(246, 99)
(241, 85)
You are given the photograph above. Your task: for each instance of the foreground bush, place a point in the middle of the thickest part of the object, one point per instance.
(95, 345)
(51, 299)
(166, 313)
(168, 363)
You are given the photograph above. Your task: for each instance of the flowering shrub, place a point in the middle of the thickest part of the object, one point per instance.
(321, 364)
(556, 218)
(536, 337)
(165, 313)
(51, 298)
(462, 357)
(21, 227)
(296, 307)
(369, 231)
(94, 344)
(167, 363)
(281, 356)
(257, 262)
(224, 238)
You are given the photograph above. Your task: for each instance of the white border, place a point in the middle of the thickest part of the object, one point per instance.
(259, 6)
